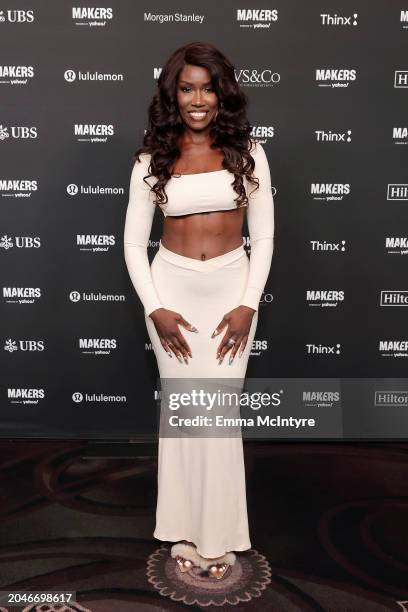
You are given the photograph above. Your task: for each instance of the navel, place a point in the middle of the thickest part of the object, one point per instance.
(202, 256)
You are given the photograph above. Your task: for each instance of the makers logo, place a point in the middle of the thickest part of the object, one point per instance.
(320, 399)
(21, 295)
(16, 16)
(258, 346)
(95, 242)
(20, 242)
(400, 135)
(25, 395)
(256, 19)
(91, 16)
(21, 132)
(324, 298)
(93, 132)
(393, 348)
(17, 188)
(97, 346)
(404, 19)
(15, 75)
(396, 245)
(335, 77)
(329, 192)
(261, 133)
(329, 136)
(328, 19)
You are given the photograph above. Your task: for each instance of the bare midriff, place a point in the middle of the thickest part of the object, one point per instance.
(204, 235)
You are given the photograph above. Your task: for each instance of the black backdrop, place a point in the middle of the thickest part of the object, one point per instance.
(328, 87)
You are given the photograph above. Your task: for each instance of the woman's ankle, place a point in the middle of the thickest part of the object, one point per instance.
(229, 558)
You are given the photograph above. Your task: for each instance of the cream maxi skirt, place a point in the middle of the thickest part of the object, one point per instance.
(201, 480)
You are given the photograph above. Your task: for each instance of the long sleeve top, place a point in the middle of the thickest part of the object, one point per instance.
(194, 193)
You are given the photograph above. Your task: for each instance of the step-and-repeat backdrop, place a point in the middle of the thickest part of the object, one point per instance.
(328, 99)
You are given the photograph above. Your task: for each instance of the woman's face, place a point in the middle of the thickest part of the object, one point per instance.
(197, 101)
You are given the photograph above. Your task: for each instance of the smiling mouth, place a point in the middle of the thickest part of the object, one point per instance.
(198, 115)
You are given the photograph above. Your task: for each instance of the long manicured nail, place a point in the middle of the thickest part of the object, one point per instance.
(193, 329)
(179, 358)
(215, 333)
(240, 353)
(169, 354)
(186, 360)
(190, 354)
(231, 359)
(220, 361)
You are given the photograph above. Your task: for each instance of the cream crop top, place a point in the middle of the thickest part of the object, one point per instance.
(194, 193)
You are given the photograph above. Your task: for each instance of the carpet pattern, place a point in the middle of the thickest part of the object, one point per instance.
(330, 520)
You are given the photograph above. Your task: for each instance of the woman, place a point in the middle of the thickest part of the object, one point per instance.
(196, 165)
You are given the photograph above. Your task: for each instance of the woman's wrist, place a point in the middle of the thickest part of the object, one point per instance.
(252, 310)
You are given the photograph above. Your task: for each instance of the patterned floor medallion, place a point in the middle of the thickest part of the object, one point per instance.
(243, 581)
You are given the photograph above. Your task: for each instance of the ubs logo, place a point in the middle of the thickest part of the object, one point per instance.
(16, 16)
(21, 132)
(20, 242)
(11, 346)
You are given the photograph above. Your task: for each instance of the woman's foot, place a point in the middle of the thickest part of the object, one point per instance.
(185, 555)
(218, 570)
(218, 566)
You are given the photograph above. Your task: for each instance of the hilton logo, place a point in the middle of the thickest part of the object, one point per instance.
(391, 398)
(401, 78)
(397, 191)
(394, 298)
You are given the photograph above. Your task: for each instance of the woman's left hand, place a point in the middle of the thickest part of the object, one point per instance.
(239, 323)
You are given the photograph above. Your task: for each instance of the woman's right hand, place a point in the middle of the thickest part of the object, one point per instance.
(166, 323)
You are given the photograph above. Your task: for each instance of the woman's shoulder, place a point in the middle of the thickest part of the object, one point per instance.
(144, 158)
(256, 150)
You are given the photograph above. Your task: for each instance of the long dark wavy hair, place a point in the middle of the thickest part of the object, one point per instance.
(229, 132)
